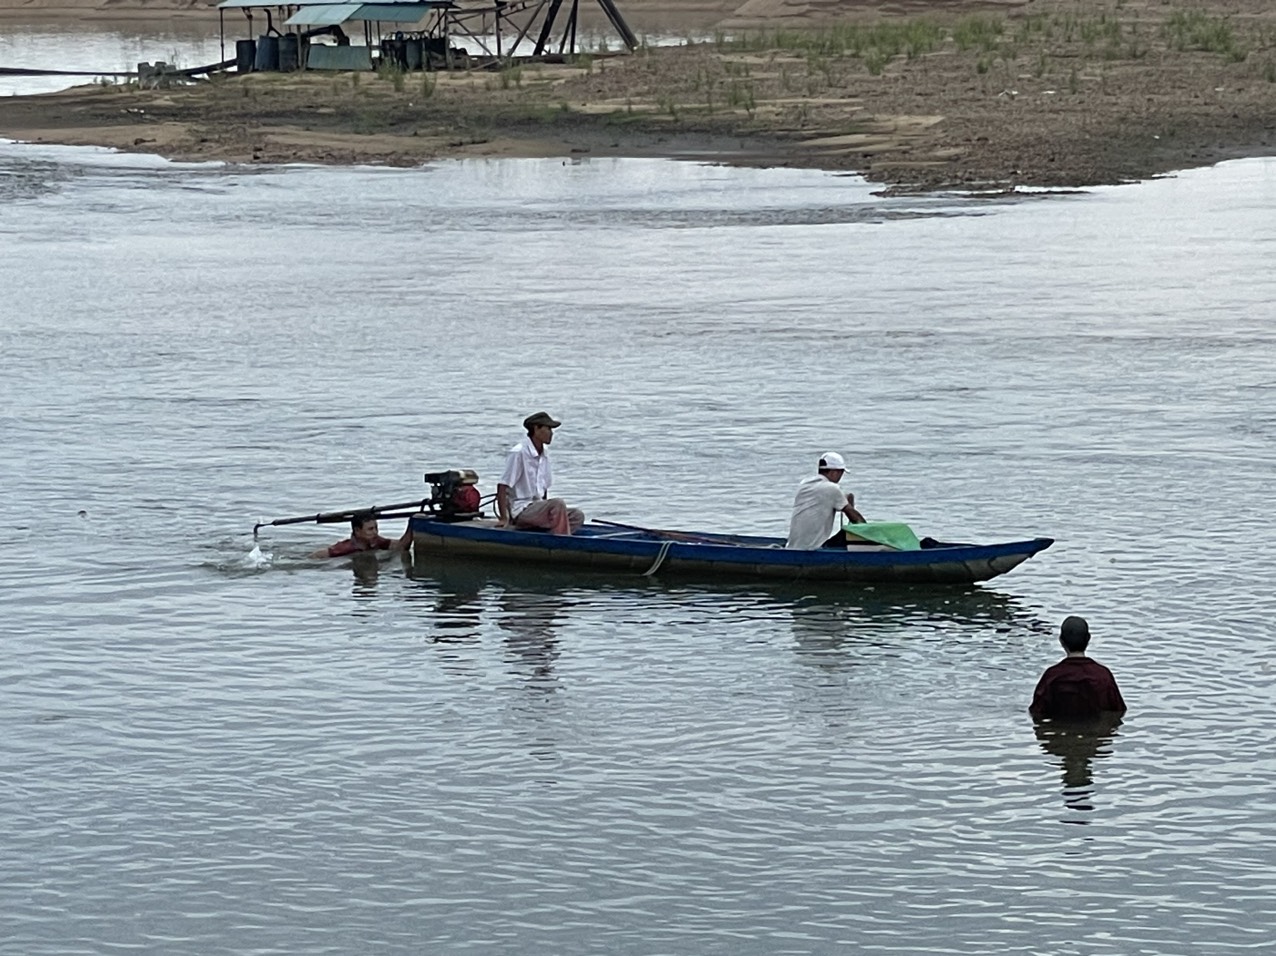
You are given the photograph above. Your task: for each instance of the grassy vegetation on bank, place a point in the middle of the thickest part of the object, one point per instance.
(1036, 43)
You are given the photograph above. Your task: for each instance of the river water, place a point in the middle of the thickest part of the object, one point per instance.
(211, 746)
(113, 50)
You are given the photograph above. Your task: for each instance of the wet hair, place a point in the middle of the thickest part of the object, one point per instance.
(359, 519)
(1074, 634)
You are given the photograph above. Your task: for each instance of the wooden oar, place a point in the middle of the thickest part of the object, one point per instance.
(671, 535)
(331, 517)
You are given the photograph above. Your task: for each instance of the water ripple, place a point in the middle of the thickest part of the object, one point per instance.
(218, 744)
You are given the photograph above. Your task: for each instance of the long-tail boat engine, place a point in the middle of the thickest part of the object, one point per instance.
(454, 495)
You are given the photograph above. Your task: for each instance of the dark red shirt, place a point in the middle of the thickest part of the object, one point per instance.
(354, 546)
(1077, 688)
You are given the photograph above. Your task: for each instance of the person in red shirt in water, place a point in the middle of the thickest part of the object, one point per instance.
(364, 537)
(1077, 688)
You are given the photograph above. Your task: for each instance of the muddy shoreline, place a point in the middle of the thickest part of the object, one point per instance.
(976, 99)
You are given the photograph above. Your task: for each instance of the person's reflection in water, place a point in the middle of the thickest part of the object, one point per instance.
(457, 616)
(366, 568)
(1078, 744)
(530, 622)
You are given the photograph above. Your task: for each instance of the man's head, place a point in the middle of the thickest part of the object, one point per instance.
(540, 427)
(1074, 634)
(363, 526)
(832, 466)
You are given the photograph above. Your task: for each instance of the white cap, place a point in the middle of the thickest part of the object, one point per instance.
(832, 461)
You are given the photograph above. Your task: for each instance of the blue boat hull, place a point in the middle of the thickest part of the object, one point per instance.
(741, 557)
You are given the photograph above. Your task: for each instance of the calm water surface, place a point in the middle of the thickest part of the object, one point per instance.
(208, 748)
(113, 50)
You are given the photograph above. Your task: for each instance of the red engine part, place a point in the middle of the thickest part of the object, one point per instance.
(466, 499)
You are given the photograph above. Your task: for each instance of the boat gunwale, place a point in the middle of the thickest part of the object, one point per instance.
(729, 549)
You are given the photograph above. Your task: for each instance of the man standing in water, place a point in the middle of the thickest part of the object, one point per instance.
(522, 494)
(364, 537)
(817, 505)
(1078, 687)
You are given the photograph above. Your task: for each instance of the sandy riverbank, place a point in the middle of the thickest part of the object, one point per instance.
(1023, 95)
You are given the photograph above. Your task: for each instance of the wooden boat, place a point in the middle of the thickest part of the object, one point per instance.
(611, 547)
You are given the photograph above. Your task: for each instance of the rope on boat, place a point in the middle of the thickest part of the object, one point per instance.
(660, 558)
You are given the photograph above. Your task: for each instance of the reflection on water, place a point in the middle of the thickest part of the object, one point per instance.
(1078, 745)
(283, 754)
(818, 612)
(456, 615)
(366, 567)
(529, 622)
(828, 622)
(113, 50)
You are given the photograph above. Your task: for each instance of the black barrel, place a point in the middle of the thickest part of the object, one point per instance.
(413, 52)
(245, 55)
(267, 53)
(289, 53)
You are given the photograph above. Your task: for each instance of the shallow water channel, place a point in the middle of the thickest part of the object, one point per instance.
(212, 747)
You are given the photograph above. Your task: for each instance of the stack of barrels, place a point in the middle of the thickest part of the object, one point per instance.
(269, 53)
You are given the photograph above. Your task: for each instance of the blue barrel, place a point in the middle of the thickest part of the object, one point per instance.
(289, 53)
(267, 53)
(245, 55)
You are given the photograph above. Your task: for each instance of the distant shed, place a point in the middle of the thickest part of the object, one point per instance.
(313, 35)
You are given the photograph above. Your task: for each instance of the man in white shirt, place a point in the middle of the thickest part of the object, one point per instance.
(522, 494)
(818, 504)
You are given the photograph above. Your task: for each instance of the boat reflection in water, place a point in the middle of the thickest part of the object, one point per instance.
(532, 603)
(466, 601)
(829, 621)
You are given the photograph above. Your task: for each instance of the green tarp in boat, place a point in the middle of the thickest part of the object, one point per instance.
(893, 534)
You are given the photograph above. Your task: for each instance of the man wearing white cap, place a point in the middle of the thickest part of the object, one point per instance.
(817, 505)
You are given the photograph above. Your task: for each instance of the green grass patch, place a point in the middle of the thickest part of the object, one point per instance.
(1196, 30)
(978, 33)
(391, 71)
(912, 37)
(510, 76)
